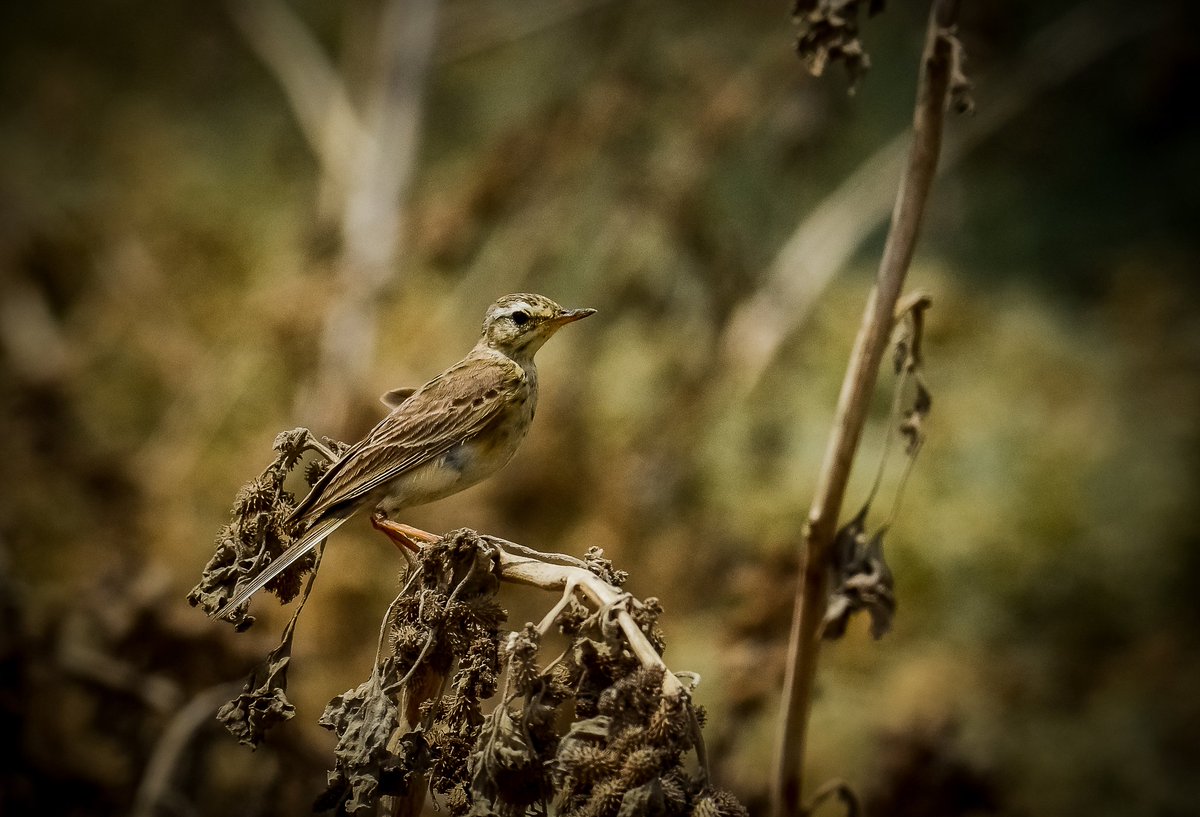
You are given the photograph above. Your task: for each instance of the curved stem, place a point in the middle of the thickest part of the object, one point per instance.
(937, 65)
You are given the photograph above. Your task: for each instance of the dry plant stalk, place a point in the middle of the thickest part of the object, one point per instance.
(940, 79)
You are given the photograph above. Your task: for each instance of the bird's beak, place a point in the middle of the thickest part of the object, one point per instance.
(571, 315)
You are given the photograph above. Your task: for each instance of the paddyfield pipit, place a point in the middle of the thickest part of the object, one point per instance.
(454, 431)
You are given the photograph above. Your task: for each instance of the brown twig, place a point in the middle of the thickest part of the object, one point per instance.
(937, 67)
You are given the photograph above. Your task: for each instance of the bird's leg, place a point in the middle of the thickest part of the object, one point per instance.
(403, 536)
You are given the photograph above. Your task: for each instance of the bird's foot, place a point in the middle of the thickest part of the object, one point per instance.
(403, 536)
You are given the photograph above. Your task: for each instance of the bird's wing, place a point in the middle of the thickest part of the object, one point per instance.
(447, 410)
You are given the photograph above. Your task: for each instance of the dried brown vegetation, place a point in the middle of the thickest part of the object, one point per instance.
(603, 729)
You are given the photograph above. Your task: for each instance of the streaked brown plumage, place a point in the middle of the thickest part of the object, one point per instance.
(454, 431)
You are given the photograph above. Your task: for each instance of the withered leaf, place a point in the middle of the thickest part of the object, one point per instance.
(646, 800)
(961, 98)
(505, 767)
(864, 582)
(262, 704)
(588, 731)
(829, 33)
(912, 428)
(910, 318)
(364, 769)
(848, 542)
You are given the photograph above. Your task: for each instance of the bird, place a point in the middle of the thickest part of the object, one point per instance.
(456, 430)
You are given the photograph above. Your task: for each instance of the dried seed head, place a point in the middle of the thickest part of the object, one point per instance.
(605, 800)
(718, 803)
(588, 764)
(642, 765)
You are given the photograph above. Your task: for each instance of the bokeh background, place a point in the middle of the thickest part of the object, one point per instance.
(221, 220)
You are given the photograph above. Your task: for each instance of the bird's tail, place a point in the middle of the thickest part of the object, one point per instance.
(303, 545)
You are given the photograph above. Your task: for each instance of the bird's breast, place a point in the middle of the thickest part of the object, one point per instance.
(487, 451)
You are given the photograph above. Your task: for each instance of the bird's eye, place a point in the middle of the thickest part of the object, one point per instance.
(520, 318)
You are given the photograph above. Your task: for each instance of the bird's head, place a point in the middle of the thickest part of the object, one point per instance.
(518, 325)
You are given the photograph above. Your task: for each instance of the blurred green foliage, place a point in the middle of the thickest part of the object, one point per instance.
(164, 273)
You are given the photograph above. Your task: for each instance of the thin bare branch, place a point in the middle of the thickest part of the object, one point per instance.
(937, 67)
